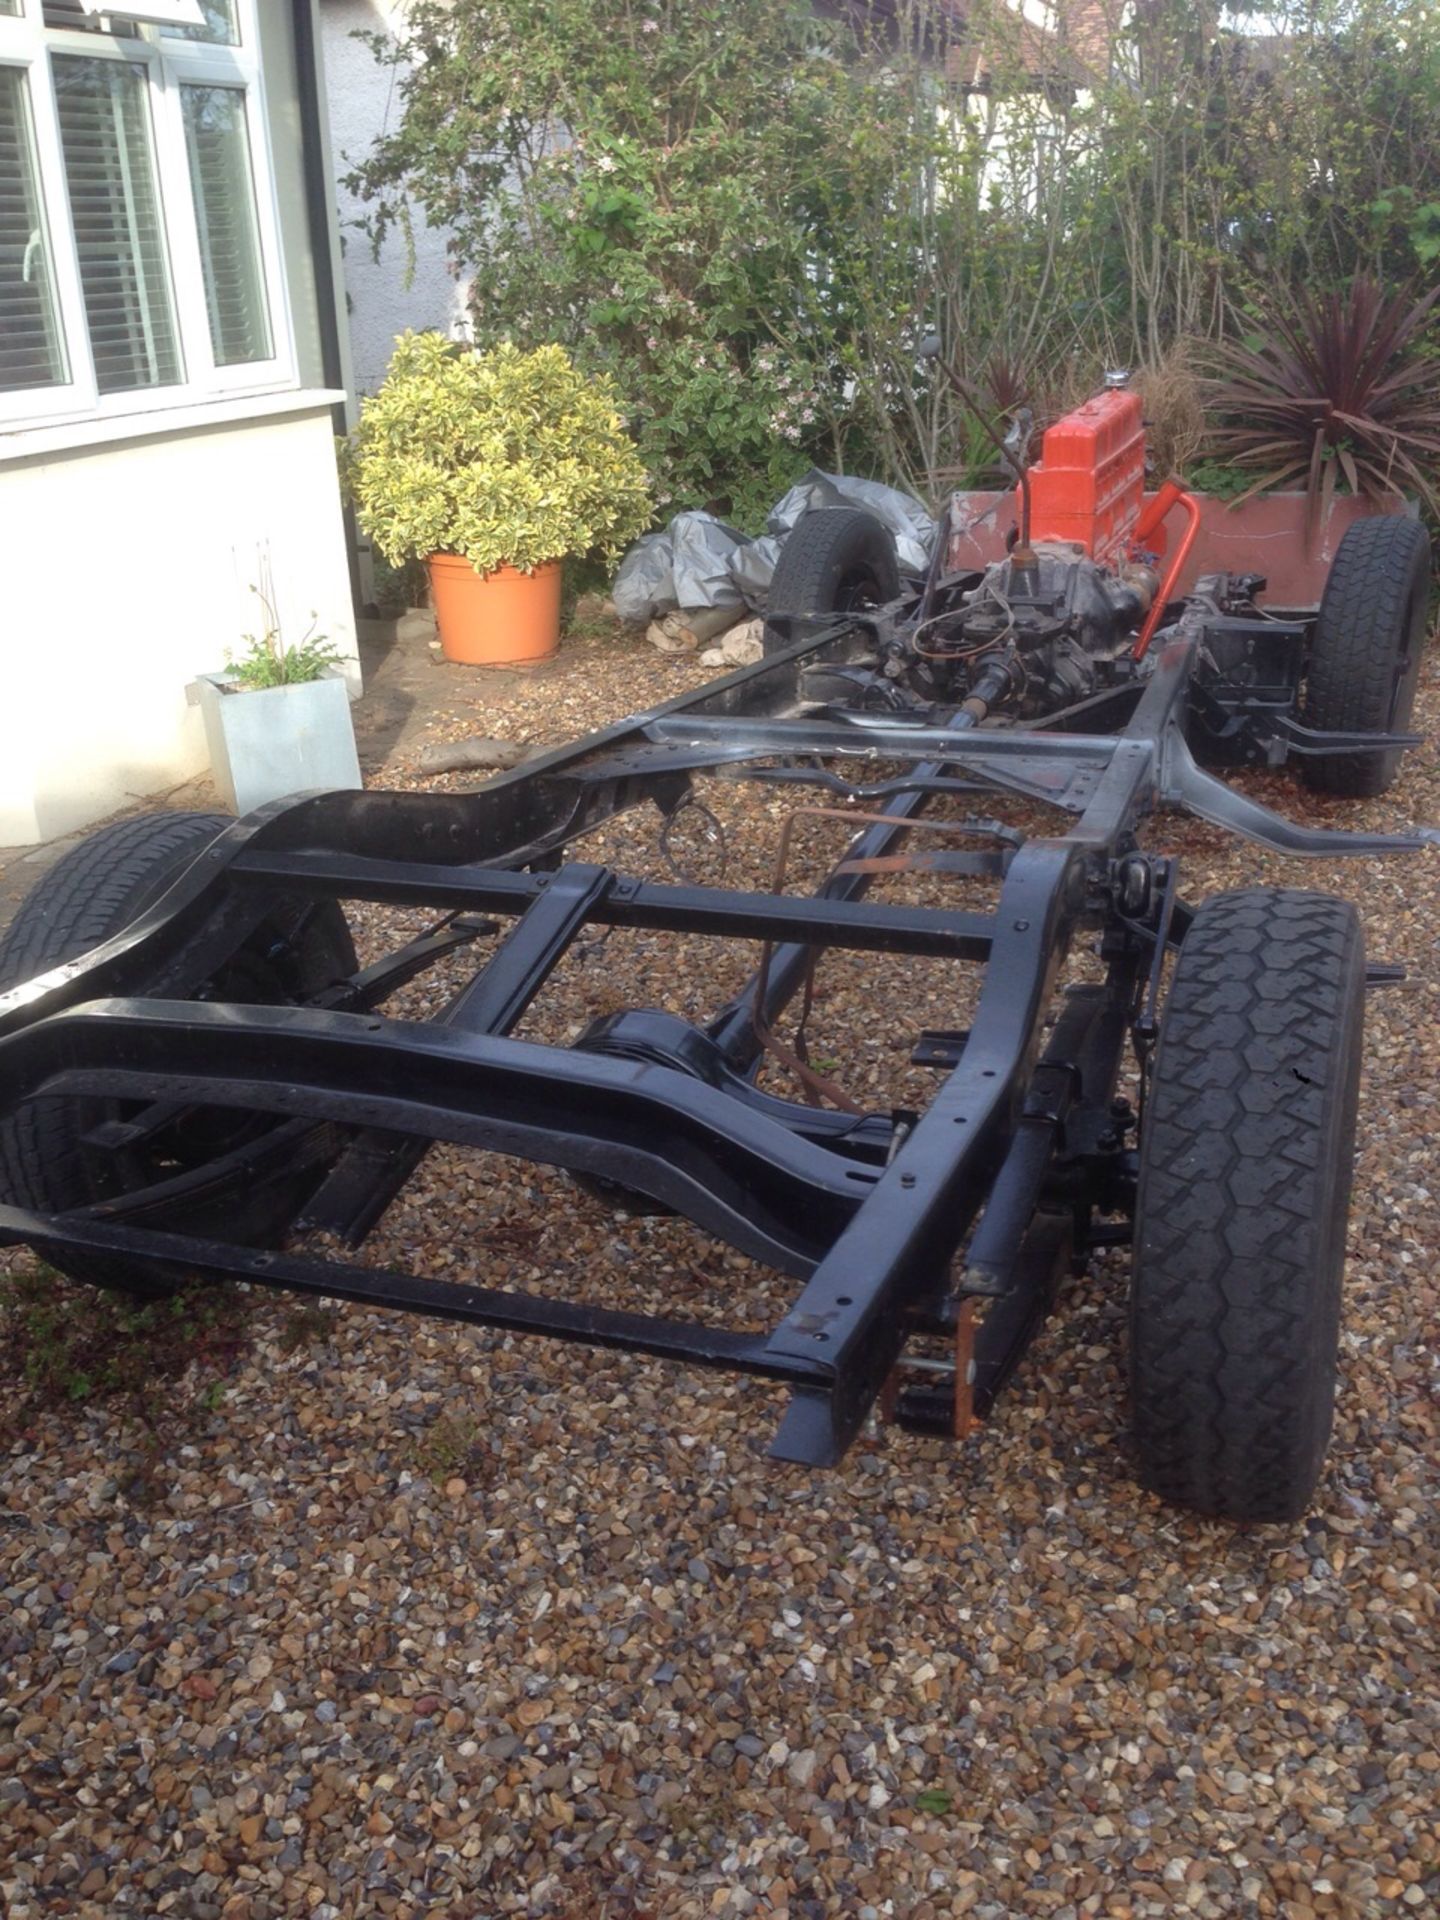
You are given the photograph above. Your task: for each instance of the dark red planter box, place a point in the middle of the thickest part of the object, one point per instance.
(1264, 535)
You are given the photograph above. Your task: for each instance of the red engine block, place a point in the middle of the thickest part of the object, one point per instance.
(1088, 482)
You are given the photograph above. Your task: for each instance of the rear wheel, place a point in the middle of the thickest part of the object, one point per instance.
(95, 891)
(1245, 1174)
(834, 560)
(1365, 654)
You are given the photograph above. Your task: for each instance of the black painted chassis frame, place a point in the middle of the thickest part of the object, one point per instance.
(868, 1215)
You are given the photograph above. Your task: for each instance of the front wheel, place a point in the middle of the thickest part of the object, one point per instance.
(834, 560)
(1245, 1171)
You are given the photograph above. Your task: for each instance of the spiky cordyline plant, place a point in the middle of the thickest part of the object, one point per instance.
(1339, 387)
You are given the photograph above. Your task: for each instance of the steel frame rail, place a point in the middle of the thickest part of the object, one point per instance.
(869, 1226)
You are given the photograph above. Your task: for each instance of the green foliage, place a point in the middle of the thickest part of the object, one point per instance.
(1336, 390)
(585, 586)
(749, 216)
(71, 1342)
(454, 1443)
(659, 188)
(509, 458)
(1220, 481)
(161, 1363)
(268, 662)
(396, 588)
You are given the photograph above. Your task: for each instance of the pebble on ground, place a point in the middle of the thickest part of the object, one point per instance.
(427, 1621)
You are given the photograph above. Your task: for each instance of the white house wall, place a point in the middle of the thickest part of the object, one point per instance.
(364, 102)
(128, 572)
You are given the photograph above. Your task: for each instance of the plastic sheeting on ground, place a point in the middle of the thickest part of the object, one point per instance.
(699, 561)
(688, 565)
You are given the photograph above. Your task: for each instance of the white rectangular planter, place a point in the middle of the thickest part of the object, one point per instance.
(277, 741)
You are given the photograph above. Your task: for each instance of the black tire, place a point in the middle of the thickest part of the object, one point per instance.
(834, 560)
(1365, 654)
(1245, 1173)
(90, 894)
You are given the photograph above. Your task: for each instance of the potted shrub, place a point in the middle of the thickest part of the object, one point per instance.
(277, 720)
(493, 468)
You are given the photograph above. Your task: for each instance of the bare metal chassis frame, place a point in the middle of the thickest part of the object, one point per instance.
(1023, 1136)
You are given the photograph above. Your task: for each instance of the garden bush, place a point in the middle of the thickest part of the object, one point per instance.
(750, 213)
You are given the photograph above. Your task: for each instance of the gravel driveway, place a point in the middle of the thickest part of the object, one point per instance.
(425, 1620)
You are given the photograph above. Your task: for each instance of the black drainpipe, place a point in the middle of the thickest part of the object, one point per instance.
(319, 205)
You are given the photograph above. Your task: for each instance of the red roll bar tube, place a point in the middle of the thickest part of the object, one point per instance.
(1172, 494)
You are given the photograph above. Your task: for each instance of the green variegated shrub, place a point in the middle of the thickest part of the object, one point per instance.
(509, 458)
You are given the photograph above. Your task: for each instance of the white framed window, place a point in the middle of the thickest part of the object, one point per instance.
(140, 263)
(32, 350)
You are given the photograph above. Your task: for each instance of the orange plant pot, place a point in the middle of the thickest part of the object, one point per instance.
(503, 618)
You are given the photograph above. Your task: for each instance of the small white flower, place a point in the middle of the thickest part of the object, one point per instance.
(605, 164)
(650, 26)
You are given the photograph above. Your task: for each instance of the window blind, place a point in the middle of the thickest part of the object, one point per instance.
(31, 353)
(224, 190)
(115, 213)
